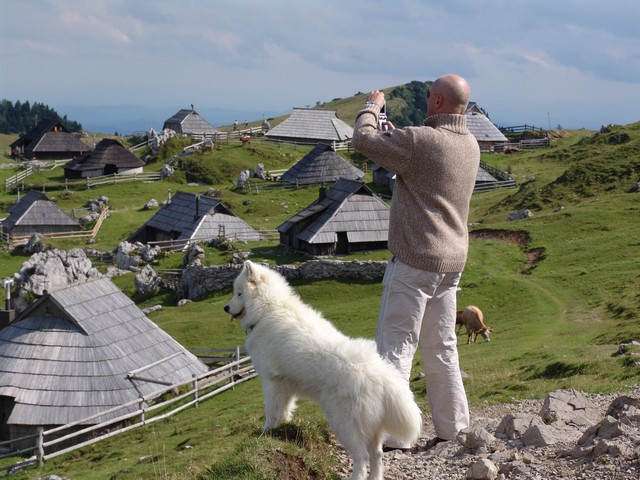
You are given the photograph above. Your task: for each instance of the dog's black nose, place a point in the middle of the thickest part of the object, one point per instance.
(226, 308)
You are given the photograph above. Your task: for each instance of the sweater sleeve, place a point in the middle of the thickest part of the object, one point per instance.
(393, 150)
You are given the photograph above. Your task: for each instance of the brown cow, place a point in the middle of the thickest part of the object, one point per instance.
(471, 317)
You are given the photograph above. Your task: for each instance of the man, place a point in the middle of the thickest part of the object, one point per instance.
(435, 167)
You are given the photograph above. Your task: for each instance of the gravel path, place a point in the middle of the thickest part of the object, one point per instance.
(449, 460)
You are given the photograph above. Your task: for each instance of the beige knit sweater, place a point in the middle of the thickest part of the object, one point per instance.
(435, 167)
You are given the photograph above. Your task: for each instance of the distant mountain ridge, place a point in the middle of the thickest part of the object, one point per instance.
(127, 119)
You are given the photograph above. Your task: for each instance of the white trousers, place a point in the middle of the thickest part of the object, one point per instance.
(419, 308)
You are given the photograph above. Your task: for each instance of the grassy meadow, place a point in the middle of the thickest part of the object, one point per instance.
(557, 321)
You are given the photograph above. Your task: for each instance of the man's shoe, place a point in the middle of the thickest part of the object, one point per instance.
(386, 449)
(433, 442)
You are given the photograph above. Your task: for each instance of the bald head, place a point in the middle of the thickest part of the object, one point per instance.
(449, 94)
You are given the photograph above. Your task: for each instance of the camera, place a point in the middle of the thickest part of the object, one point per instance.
(382, 118)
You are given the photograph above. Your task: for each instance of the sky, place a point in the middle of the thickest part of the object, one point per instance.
(549, 63)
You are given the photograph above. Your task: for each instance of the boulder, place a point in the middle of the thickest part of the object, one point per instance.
(569, 407)
(147, 281)
(483, 469)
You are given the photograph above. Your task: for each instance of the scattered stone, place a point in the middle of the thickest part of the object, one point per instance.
(149, 310)
(519, 215)
(151, 204)
(483, 469)
(616, 457)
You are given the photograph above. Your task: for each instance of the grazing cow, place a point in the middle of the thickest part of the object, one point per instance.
(471, 317)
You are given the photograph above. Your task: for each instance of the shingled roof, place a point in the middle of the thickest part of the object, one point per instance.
(481, 127)
(36, 213)
(350, 209)
(49, 139)
(322, 164)
(189, 122)
(69, 356)
(109, 156)
(309, 125)
(194, 217)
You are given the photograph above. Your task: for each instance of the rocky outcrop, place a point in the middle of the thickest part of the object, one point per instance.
(50, 270)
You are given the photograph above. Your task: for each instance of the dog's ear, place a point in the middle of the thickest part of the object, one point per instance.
(251, 271)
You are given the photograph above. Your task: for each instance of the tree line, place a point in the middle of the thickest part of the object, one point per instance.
(21, 117)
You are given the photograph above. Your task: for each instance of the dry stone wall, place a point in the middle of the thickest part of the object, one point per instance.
(198, 280)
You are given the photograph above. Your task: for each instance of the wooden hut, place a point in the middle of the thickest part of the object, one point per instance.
(489, 137)
(309, 126)
(75, 352)
(321, 165)
(188, 217)
(189, 122)
(109, 157)
(347, 218)
(35, 213)
(49, 140)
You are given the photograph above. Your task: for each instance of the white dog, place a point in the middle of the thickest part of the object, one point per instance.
(297, 352)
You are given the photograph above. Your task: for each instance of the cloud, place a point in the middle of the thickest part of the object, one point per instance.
(523, 60)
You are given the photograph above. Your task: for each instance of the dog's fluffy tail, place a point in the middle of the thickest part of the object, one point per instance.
(403, 419)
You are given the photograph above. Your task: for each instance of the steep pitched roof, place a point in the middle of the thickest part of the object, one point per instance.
(200, 216)
(312, 124)
(189, 122)
(320, 165)
(349, 206)
(50, 136)
(35, 209)
(108, 151)
(481, 127)
(68, 356)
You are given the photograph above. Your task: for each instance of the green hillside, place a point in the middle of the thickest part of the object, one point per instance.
(559, 289)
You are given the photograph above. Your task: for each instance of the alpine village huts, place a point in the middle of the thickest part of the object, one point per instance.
(48, 140)
(186, 218)
(309, 126)
(320, 165)
(189, 122)
(109, 157)
(35, 213)
(347, 218)
(79, 351)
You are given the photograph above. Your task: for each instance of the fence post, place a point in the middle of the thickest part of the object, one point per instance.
(40, 448)
(195, 389)
(142, 411)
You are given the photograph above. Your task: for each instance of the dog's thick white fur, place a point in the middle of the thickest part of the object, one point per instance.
(297, 352)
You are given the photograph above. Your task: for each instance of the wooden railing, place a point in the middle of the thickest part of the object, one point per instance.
(15, 240)
(147, 409)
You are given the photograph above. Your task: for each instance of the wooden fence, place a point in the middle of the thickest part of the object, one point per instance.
(84, 182)
(30, 170)
(521, 129)
(15, 240)
(18, 177)
(147, 409)
(182, 244)
(504, 180)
